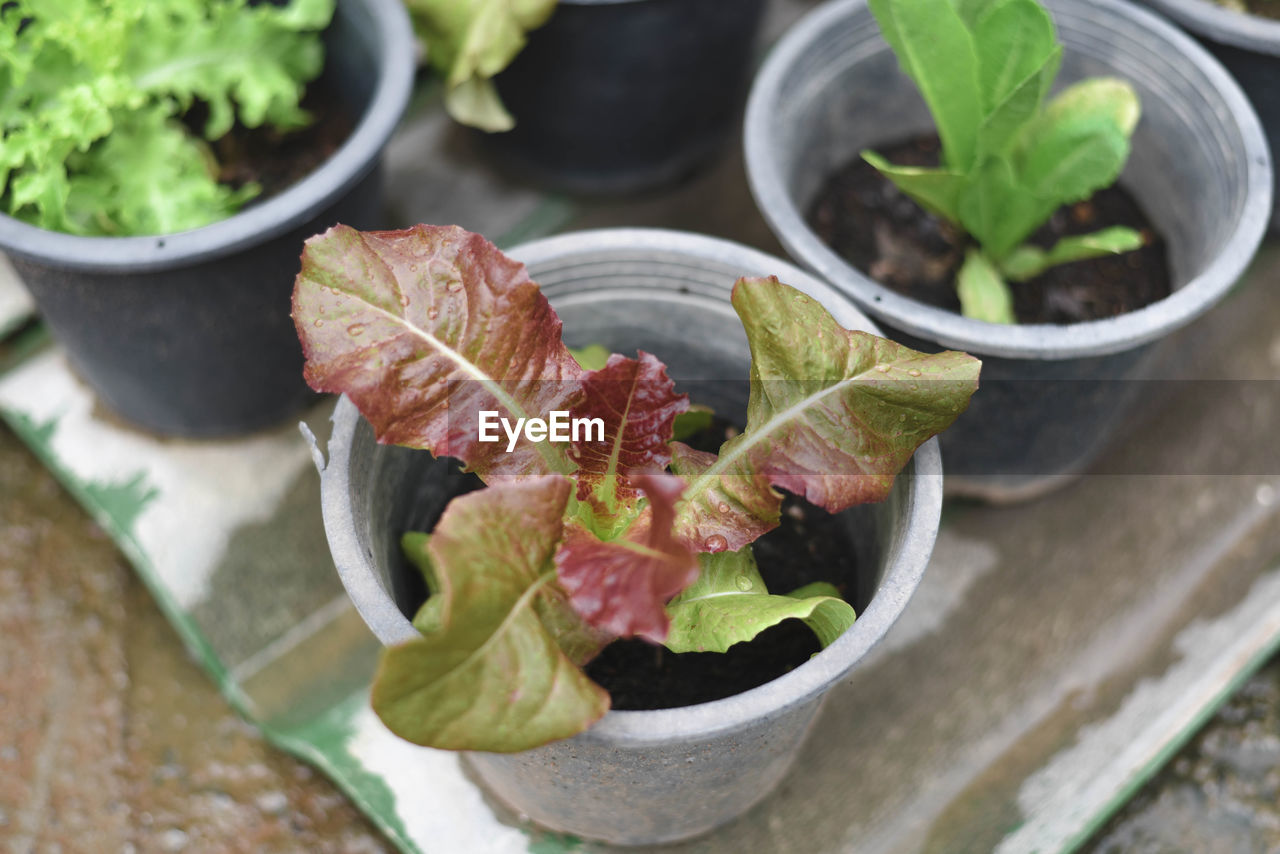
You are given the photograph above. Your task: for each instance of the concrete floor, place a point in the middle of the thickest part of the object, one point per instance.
(111, 738)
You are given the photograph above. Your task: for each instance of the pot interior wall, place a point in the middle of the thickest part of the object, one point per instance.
(847, 94)
(352, 54)
(671, 308)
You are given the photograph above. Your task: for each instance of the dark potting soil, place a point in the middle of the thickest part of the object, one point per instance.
(276, 159)
(809, 545)
(866, 220)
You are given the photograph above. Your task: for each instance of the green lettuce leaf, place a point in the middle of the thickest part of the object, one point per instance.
(729, 604)
(984, 295)
(833, 416)
(468, 42)
(1027, 261)
(499, 671)
(935, 190)
(91, 93)
(937, 51)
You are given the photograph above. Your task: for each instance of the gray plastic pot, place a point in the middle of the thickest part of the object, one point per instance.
(1051, 394)
(654, 776)
(1248, 45)
(189, 334)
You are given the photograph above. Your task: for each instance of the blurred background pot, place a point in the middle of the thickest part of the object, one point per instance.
(1248, 45)
(613, 96)
(189, 334)
(1050, 394)
(651, 776)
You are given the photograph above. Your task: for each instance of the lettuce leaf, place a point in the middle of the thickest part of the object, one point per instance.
(833, 416)
(427, 327)
(468, 42)
(91, 93)
(499, 669)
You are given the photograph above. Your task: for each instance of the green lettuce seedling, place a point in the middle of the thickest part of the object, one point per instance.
(573, 544)
(92, 92)
(1009, 160)
(468, 42)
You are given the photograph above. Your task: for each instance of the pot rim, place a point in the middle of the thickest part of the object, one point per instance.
(1029, 341)
(1223, 25)
(923, 508)
(259, 223)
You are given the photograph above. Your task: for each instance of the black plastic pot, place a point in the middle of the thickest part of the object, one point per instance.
(620, 95)
(189, 334)
(1249, 46)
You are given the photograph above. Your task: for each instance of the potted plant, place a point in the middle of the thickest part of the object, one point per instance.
(1245, 37)
(172, 305)
(1055, 385)
(607, 96)
(430, 331)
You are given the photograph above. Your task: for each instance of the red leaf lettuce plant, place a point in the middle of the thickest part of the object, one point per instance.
(574, 544)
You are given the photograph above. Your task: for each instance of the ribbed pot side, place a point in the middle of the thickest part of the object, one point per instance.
(1051, 394)
(654, 776)
(1248, 46)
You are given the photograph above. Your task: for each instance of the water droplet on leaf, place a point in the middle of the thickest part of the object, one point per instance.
(913, 372)
(433, 313)
(884, 369)
(744, 583)
(715, 543)
(722, 507)
(355, 329)
(318, 323)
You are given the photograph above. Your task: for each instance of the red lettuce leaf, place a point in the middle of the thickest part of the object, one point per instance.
(621, 586)
(637, 404)
(424, 328)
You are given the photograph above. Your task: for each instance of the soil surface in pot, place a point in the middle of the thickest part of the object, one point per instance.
(866, 220)
(275, 159)
(809, 545)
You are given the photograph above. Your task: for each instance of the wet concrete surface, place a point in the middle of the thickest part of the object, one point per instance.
(1221, 795)
(111, 738)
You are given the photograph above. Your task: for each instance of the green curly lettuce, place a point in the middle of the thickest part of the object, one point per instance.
(92, 93)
